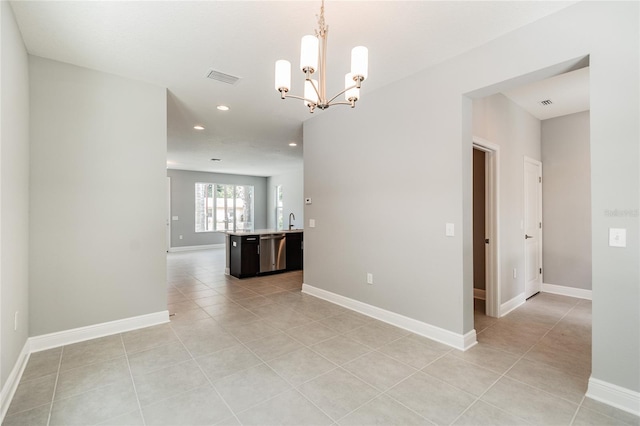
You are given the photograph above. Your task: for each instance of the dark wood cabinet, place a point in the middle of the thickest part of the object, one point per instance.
(245, 256)
(295, 245)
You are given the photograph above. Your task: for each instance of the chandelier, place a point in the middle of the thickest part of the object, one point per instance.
(313, 58)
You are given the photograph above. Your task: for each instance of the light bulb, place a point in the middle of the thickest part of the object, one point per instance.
(310, 92)
(283, 75)
(309, 53)
(360, 62)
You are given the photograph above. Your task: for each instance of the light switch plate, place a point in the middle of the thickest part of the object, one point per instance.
(617, 237)
(449, 230)
(312, 223)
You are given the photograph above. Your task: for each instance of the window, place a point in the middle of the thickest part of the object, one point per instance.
(222, 207)
(279, 208)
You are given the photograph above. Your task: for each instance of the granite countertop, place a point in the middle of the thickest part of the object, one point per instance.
(263, 232)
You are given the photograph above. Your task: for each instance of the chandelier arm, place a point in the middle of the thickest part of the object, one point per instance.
(340, 93)
(343, 103)
(316, 90)
(301, 98)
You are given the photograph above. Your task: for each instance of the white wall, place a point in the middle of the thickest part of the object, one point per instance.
(14, 191)
(566, 201)
(98, 197)
(292, 198)
(503, 123)
(418, 153)
(183, 205)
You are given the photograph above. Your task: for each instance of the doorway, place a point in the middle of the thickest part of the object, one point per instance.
(532, 227)
(486, 282)
(480, 239)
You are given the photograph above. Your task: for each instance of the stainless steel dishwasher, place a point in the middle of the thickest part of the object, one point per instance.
(273, 252)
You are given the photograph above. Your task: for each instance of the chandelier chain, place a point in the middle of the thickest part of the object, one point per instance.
(322, 26)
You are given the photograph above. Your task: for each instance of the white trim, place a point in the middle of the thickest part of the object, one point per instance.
(580, 293)
(614, 395)
(512, 304)
(458, 341)
(192, 248)
(479, 293)
(67, 337)
(492, 295)
(11, 385)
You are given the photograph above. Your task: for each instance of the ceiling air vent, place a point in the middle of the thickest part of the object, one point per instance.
(224, 78)
(546, 102)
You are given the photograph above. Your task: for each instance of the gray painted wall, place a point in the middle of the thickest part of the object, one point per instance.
(292, 198)
(502, 122)
(183, 205)
(424, 149)
(98, 197)
(566, 201)
(14, 191)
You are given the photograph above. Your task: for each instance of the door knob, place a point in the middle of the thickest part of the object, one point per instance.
(526, 237)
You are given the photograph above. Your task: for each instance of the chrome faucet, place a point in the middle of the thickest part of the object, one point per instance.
(294, 218)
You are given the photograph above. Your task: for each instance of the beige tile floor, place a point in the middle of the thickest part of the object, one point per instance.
(259, 352)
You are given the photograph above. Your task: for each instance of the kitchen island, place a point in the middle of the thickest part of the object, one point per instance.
(263, 251)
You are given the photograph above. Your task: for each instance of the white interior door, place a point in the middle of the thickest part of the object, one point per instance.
(168, 230)
(532, 226)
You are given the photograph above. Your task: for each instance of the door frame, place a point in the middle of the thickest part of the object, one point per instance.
(492, 223)
(538, 164)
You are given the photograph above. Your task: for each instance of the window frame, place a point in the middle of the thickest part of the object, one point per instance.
(230, 224)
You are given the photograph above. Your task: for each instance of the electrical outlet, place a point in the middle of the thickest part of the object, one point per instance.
(180, 236)
(369, 278)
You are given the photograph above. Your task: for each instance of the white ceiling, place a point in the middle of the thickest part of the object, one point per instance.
(568, 93)
(175, 43)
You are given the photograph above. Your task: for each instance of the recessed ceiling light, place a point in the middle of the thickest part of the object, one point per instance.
(198, 127)
(293, 144)
(216, 159)
(223, 107)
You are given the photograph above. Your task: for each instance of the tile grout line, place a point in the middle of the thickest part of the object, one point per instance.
(206, 377)
(55, 386)
(135, 389)
(575, 414)
(504, 374)
(370, 350)
(266, 363)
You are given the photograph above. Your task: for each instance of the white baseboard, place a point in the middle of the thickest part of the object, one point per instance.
(67, 337)
(10, 386)
(512, 304)
(580, 293)
(458, 341)
(192, 248)
(479, 293)
(614, 395)
(75, 335)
